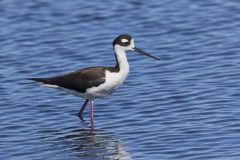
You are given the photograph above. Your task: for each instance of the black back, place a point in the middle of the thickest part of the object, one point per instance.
(80, 80)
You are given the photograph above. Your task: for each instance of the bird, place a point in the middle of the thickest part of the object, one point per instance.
(96, 82)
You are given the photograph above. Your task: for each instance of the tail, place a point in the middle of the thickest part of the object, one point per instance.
(43, 80)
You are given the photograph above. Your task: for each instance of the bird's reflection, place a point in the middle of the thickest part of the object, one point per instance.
(93, 144)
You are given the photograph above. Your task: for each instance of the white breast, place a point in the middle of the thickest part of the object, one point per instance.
(112, 79)
(112, 82)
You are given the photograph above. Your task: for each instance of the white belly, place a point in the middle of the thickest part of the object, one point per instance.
(112, 82)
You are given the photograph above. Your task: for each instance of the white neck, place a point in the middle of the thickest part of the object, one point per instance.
(121, 59)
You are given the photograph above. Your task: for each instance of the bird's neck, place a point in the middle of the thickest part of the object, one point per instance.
(121, 58)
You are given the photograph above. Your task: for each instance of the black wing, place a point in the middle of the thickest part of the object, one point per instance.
(79, 81)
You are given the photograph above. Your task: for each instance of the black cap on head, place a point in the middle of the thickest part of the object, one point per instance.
(123, 40)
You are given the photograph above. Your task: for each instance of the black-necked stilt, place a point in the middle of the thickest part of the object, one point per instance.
(96, 82)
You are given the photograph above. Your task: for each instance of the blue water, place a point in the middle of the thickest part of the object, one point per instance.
(185, 106)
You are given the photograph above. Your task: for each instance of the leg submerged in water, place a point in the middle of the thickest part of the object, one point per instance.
(92, 114)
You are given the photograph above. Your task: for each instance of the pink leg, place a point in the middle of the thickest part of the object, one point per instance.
(92, 114)
(83, 107)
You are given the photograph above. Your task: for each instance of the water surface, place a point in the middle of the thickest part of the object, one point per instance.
(185, 106)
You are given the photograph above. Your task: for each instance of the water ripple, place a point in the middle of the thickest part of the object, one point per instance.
(185, 106)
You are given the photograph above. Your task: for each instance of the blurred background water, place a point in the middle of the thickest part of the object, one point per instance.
(185, 106)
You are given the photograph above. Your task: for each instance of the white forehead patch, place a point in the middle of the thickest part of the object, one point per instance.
(124, 40)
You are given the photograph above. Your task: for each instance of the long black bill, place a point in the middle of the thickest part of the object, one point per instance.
(142, 52)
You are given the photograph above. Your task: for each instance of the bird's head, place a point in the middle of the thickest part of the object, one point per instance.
(125, 42)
